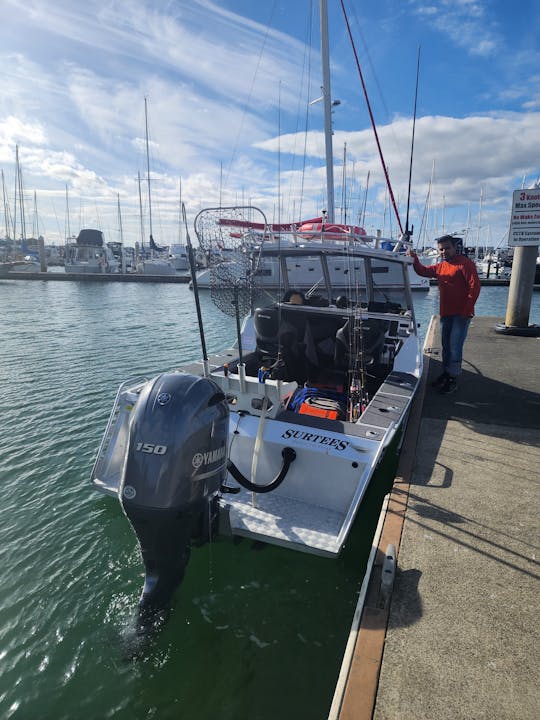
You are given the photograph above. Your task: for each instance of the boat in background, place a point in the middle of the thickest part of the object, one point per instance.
(28, 264)
(89, 254)
(155, 262)
(5, 267)
(156, 259)
(179, 257)
(493, 264)
(155, 266)
(24, 254)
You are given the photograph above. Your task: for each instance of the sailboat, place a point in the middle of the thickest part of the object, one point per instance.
(178, 251)
(27, 259)
(277, 437)
(156, 261)
(88, 253)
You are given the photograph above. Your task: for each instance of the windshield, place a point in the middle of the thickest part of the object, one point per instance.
(306, 273)
(388, 282)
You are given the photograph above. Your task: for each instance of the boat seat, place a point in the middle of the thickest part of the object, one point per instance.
(274, 337)
(365, 341)
(315, 345)
(319, 343)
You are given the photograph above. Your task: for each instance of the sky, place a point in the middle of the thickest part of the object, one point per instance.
(229, 88)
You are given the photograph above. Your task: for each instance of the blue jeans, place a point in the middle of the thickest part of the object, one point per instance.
(453, 333)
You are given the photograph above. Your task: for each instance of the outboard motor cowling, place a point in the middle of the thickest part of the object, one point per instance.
(176, 461)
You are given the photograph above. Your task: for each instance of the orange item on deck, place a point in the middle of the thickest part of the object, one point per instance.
(308, 408)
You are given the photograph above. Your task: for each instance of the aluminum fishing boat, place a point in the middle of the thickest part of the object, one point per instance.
(277, 437)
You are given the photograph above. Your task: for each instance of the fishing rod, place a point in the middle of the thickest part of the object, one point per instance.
(408, 232)
(236, 305)
(196, 293)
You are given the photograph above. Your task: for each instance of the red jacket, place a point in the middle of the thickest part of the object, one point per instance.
(459, 285)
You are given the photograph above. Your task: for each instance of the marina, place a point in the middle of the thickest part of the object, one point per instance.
(181, 278)
(241, 476)
(248, 616)
(178, 278)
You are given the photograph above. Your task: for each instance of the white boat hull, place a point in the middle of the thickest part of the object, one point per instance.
(278, 438)
(156, 267)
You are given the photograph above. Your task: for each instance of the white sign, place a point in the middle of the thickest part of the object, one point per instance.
(525, 220)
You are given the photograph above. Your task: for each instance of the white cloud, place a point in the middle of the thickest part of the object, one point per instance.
(14, 131)
(490, 152)
(465, 22)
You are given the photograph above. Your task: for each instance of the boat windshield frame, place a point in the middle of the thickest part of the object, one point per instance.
(364, 253)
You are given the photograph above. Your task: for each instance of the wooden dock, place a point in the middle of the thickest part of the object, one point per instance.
(97, 277)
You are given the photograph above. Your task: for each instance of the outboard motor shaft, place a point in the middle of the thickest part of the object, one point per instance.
(175, 463)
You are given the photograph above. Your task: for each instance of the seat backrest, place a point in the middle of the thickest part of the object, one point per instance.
(276, 335)
(266, 326)
(366, 338)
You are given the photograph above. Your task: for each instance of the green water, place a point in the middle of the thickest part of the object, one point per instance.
(256, 631)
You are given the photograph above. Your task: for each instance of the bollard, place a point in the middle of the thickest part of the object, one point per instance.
(42, 254)
(521, 286)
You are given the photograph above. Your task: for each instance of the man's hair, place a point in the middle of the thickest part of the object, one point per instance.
(288, 295)
(448, 238)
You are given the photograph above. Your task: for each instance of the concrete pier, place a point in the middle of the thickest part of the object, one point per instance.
(458, 638)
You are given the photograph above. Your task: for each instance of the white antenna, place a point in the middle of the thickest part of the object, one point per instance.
(479, 219)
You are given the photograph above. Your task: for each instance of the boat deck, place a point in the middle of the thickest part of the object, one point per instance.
(290, 523)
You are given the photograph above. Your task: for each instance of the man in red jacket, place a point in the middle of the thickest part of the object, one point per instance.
(459, 288)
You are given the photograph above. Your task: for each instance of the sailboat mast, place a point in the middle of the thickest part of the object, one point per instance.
(67, 229)
(120, 228)
(148, 167)
(140, 211)
(19, 186)
(344, 186)
(479, 221)
(327, 102)
(180, 214)
(6, 210)
(15, 194)
(35, 222)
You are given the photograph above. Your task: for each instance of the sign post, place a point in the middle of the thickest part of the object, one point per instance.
(524, 236)
(525, 220)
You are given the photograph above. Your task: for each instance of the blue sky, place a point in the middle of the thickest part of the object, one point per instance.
(229, 84)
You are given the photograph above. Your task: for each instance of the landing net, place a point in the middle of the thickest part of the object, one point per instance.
(231, 240)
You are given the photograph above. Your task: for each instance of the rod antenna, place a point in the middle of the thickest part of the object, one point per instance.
(196, 293)
(408, 232)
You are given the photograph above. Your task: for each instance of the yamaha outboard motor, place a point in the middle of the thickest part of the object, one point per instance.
(175, 463)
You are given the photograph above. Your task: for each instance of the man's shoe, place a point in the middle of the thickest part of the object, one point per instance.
(439, 382)
(449, 386)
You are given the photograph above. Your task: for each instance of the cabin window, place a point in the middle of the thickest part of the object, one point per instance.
(307, 274)
(387, 279)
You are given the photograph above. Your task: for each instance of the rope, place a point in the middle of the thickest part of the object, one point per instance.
(388, 184)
